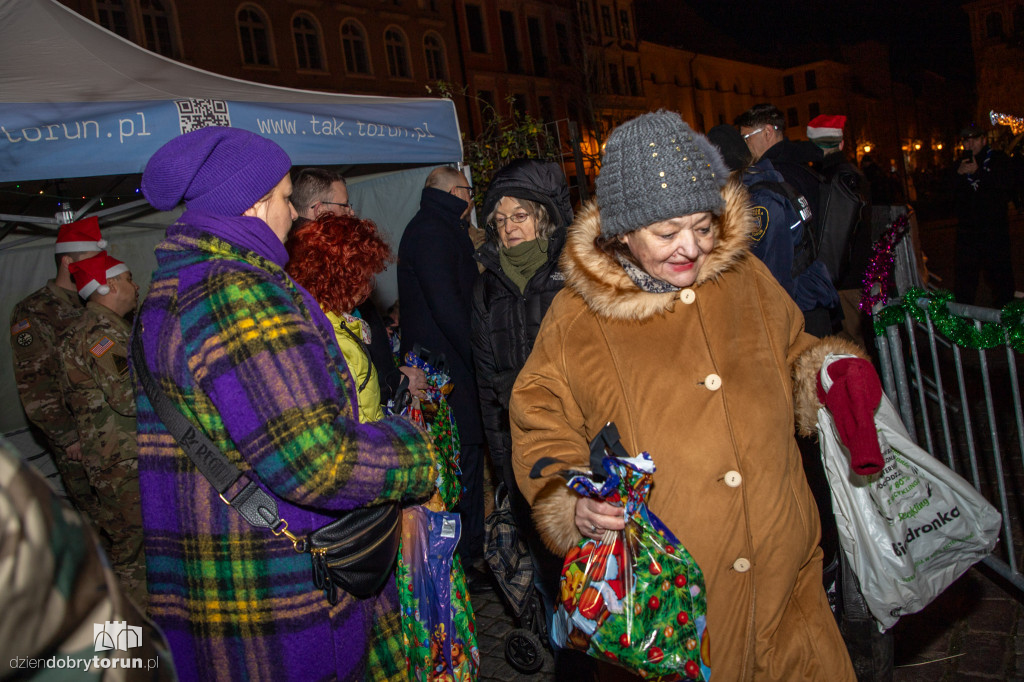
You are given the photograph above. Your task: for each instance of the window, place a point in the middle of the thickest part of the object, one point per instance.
(994, 25)
(519, 105)
(508, 37)
(813, 109)
(586, 20)
(156, 27)
(547, 113)
(632, 81)
(606, 21)
(627, 34)
(486, 101)
(475, 26)
(540, 59)
(811, 79)
(254, 36)
(397, 54)
(433, 50)
(113, 16)
(306, 33)
(613, 79)
(792, 118)
(787, 85)
(353, 45)
(562, 37)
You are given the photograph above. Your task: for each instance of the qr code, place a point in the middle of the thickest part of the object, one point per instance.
(194, 114)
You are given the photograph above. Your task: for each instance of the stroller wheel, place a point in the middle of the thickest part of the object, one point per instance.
(524, 651)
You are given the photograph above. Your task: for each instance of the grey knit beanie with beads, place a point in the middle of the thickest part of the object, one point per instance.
(656, 167)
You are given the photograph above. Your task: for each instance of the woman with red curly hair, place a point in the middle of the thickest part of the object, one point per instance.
(335, 258)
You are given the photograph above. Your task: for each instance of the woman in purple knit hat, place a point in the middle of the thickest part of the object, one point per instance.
(248, 356)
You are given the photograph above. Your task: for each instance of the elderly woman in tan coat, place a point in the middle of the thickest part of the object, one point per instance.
(668, 327)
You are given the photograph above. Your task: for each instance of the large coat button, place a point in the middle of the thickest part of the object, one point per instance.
(741, 565)
(687, 296)
(712, 382)
(733, 479)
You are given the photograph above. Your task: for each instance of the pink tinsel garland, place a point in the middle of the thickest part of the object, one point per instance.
(878, 275)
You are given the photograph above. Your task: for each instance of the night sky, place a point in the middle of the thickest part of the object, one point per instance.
(930, 34)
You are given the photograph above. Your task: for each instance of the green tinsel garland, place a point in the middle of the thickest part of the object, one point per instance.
(961, 331)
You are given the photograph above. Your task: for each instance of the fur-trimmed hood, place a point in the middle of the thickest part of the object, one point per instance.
(606, 288)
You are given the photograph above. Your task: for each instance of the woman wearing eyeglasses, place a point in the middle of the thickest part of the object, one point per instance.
(527, 210)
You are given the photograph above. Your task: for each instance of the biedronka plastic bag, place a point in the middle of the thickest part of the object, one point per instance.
(910, 530)
(636, 597)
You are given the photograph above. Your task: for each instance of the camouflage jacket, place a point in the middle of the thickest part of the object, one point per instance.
(64, 612)
(94, 352)
(37, 324)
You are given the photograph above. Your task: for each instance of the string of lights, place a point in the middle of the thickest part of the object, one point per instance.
(1016, 123)
(20, 191)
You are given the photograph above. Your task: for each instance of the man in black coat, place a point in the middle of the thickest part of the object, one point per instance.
(982, 187)
(436, 272)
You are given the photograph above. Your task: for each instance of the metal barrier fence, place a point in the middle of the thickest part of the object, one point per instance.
(952, 371)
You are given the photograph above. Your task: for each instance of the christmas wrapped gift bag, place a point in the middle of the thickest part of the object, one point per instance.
(636, 597)
(438, 626)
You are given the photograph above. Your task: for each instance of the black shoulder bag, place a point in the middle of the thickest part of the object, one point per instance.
(356, 553)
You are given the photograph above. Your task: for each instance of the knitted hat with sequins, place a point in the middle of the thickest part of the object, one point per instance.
(656, 167)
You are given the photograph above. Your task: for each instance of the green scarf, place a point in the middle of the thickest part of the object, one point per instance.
(522, 260)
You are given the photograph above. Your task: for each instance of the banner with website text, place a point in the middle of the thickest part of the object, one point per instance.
(64, 140)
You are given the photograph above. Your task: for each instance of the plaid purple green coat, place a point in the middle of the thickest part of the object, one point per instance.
(248, 355)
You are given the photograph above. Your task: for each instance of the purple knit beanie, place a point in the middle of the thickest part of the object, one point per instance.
(223, 171)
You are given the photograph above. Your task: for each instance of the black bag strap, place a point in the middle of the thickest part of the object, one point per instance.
(253, 503)
(805, 252)
(363, 347)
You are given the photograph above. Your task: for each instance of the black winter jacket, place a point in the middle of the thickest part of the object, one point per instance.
(505, 321)
(436, 274)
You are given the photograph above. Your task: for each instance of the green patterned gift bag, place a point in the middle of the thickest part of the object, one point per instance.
(636, 597)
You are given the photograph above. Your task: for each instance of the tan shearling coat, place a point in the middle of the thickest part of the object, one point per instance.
(708, 380)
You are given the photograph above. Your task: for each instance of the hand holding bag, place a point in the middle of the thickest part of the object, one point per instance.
(636, 598)
(909, 530)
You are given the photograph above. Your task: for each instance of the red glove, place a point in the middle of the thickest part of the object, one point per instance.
(852, 400)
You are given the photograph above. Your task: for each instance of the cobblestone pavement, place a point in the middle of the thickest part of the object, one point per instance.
(973, 631)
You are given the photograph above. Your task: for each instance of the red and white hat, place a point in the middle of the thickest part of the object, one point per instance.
(91, 274)
(826, 131)
(81, 235)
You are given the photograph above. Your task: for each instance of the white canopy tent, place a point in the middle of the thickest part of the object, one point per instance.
(77, 101)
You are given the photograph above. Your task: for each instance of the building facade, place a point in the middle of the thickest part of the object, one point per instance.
(566, 60)
(997, 36)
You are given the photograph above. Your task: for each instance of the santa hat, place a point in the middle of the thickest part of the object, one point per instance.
(826, 131)
(81, 235)
(91, 274)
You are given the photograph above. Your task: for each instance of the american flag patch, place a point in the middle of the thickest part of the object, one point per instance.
(101, 347)
(20, 326)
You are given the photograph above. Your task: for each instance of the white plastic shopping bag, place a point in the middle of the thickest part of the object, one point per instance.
(910, 530)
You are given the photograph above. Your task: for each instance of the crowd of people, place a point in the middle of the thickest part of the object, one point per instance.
(689, 303)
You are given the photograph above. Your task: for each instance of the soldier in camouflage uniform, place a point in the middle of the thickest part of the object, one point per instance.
(94, 352)
(37, 323)
(58, 588)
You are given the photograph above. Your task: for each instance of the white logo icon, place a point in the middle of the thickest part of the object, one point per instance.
(116, 635)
